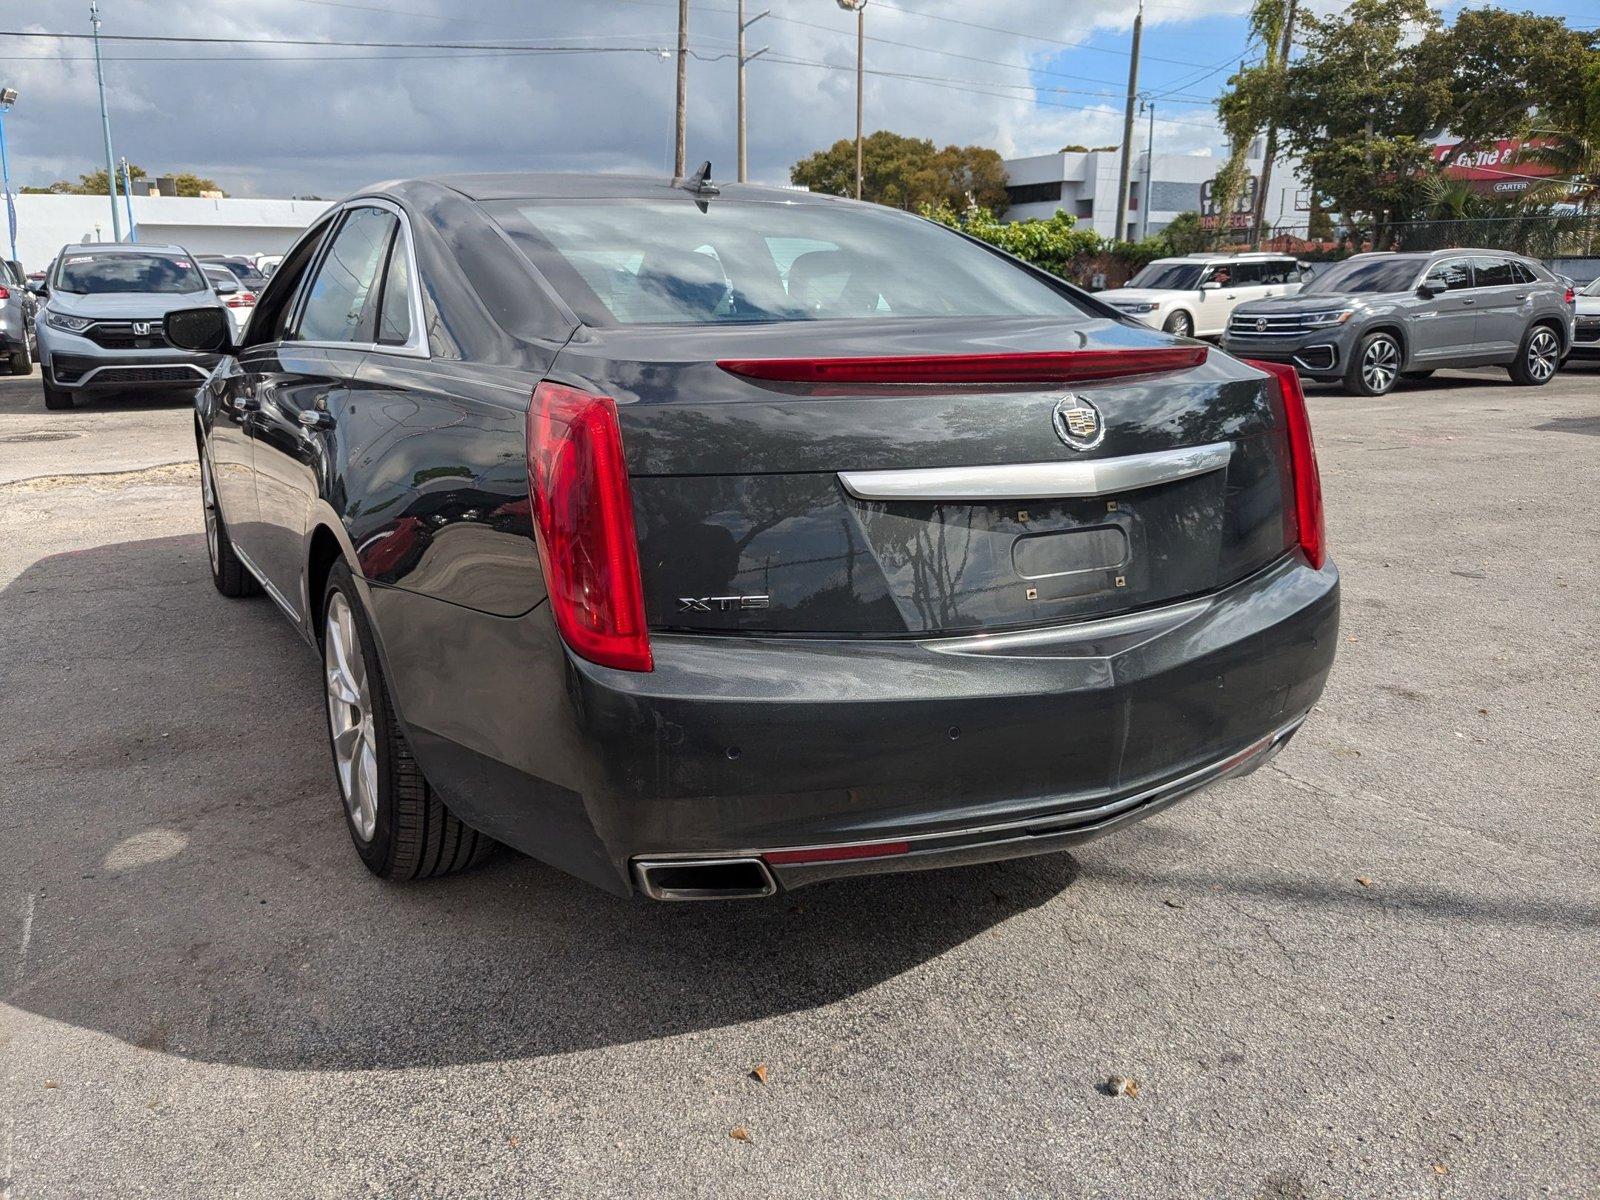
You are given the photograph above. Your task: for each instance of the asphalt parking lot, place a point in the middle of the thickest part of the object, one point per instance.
(1371, 969)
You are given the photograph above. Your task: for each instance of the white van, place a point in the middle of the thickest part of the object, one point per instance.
(1193, 296)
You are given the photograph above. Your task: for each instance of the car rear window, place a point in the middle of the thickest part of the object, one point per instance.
(651, 262)
(94, 273)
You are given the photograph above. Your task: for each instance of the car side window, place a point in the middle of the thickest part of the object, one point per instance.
(1249, 274)
(1455, 274)
(1493, 272)
(1522, 272)
(336, 307)
(394, 309)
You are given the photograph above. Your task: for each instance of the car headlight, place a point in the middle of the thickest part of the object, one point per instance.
(1137, 308)
(1323, 319)
(64, 321)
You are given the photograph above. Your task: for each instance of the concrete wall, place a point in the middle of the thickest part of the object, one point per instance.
(46, 223)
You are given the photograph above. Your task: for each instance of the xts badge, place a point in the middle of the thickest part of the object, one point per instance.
(721, 603)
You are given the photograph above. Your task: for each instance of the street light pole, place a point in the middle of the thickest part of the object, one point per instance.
(680, 152)
(127, 195)
(859, 7)
(105, 122)
(8, 97)
(744, 174)
(1149, 167)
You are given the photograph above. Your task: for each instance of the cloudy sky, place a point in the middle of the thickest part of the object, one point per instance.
(272, 119)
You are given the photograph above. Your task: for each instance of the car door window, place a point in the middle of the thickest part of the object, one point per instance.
(1455, 274)
(1493, 272)
(1248, 275)
(338, 305)
(394, 310)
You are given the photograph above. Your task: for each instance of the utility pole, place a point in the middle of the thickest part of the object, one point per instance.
(744, 173)
(127, 193)
(680, 152)
(105, 122)
(859, 7)
(1127, 127)
(1149, 166)
(8, 97)
(1270, 150)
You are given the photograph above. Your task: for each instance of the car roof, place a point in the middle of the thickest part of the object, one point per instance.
(123, 248)
(1247, 256)
(542, 185)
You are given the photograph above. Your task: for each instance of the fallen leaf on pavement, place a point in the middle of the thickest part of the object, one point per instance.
(759, 1071)
(1173, 903)
(1440, 1169)
(50, 1083)
(1364, 880)
(739, 1133)
(1122, 1085)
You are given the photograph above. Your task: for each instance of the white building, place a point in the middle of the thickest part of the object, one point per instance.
(45, 223)
(1084, 185)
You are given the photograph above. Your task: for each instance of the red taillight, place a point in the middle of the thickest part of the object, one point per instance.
(779, 858)
(1311, 529)
(5, 293)
(1572, 296)
(1054, 366)
(583, 515)
(240, 300)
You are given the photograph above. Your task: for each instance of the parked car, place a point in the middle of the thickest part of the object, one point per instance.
(267, 264)
(710, 544)
(239, 303)
(17, 304)
(1193, 296)
(1377, 318)
(243, 269)
(1586, 323)
(100, 326)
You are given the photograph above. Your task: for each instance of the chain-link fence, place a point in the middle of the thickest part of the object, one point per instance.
(1540, 235)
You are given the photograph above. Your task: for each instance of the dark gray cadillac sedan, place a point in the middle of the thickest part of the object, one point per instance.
(708, 543)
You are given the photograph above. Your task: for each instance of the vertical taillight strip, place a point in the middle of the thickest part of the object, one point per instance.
(583, 522)
(1312, 533)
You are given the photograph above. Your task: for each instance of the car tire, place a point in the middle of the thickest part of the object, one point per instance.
(1538, 358)
(55, 398)
(1180, 324)
(1414, 376)
(1375, 366)
(21, 361)
(401, 828)
(230, 576)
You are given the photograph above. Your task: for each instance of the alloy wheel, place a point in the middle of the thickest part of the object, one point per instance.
(1380, 364)
(355, 753)
(1543, 350)
(208, 498)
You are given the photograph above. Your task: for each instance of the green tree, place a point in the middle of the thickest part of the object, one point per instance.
(94, 183)
(1358, 106)
(905, 172)
(1502, 65)
(1053, 243)
(1253, 100)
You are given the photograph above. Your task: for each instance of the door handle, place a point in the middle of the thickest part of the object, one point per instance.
(1468, 303)
(316, 418)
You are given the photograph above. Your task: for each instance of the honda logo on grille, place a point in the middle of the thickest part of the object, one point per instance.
(141, 329)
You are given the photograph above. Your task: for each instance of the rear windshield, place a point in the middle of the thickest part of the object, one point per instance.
(1592, 288)
(654, 262)
(1181, 277)
(1382, 275)
(247, 275)
(124, 272)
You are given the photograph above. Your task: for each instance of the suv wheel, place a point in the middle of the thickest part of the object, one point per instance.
(54, 397)
(227, 572)
(1180, 323)
(1536, 362)
(400, 826)
(1374, 367)
(21, 360)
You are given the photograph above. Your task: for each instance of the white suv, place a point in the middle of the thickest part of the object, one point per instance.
(1194, 296)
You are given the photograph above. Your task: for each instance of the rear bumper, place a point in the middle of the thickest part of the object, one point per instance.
(968, 749)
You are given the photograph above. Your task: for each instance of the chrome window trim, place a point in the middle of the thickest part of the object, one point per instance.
(1039, 481)
(416, 346)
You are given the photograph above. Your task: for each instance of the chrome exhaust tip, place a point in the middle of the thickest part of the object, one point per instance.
(704, 878)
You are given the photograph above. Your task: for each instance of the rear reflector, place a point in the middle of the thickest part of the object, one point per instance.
(1056, 366)
(1311, 530)
(779, 858)
(583, 516)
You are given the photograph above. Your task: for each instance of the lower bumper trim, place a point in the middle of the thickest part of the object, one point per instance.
(796, 866)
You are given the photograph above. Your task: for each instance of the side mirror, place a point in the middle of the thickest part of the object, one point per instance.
(204, 330)
(1432, 288)
(226, 287)
(1210, 285)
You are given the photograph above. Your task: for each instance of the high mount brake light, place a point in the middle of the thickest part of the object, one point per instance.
(583, 518)
(1054, 366)
(1311, 533)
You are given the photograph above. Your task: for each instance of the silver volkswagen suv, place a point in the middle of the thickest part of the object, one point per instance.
(99, 328)
(1374, 319)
